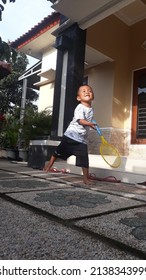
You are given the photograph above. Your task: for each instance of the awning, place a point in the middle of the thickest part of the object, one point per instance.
(87, 13)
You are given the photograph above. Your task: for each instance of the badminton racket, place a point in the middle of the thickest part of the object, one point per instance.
(108, 152)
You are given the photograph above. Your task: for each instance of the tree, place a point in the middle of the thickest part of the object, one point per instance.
(11, 88)
(7, 52)
(2, 6)
(7, 56)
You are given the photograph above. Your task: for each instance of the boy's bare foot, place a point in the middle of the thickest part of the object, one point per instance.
(45, 167)
(88, 182)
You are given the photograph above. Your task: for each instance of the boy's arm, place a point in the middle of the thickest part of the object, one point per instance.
(86, 123)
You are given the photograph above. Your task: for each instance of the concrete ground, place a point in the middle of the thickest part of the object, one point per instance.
(54, 216)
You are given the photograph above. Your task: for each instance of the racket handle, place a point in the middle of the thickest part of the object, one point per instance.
(97, 128)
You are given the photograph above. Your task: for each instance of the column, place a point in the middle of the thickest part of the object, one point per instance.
(69, 76)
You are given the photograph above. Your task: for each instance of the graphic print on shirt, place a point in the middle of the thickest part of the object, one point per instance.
(75, 130)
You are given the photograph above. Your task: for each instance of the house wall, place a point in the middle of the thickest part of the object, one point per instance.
(103, 92)
(111, 37)
(49, 59)
(47, 90)
(46, 97)
(123, 45)
(137, 53)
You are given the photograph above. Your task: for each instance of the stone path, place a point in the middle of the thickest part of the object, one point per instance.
(56, 216)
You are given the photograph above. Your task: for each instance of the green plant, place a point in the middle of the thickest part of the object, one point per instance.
(9, 129)
(36, 124)
(16, 134)
(10, 132)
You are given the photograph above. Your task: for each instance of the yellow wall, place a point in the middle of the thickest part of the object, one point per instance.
(109, 36)
(103, 91)
(122, 44)
(137, 53)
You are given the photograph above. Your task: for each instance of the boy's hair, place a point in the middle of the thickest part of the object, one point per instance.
(85, 85)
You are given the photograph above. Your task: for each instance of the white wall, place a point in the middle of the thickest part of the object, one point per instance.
(46, 97)
(47, 91)
(49, 59)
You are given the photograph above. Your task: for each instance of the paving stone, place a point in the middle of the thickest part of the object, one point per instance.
(74, 202)
(128, 227)
(28, 184)
(28, 236)
(129, 191)
(5, 174)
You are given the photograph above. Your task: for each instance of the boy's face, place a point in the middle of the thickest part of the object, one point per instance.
(85, 94)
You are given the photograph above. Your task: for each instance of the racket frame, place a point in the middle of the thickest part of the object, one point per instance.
(104, 142)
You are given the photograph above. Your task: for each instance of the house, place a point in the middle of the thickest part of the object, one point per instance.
(103, 42)
(37, 43)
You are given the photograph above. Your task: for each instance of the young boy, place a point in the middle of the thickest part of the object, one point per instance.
(74, 141)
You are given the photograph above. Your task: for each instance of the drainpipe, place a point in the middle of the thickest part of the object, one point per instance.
(22, 110)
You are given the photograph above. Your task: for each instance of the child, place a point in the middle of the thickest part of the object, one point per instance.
(74, 141)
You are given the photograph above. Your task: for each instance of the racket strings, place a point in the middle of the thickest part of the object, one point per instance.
(110, 154)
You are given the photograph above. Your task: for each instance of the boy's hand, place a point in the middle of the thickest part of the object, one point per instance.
(86, 123)
(93, 125)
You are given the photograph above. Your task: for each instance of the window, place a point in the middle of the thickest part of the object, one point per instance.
(139, 108)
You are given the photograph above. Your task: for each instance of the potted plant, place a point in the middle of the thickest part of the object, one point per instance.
(2, 124)
(10, 136)
(35, 125)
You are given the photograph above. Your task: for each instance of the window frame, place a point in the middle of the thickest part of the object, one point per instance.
(134, 139)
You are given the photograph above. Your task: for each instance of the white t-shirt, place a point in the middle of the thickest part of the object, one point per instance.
(77, 131)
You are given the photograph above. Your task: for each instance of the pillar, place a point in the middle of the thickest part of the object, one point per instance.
(69, 76)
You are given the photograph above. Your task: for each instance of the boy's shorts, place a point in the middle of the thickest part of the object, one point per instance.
(69, 147)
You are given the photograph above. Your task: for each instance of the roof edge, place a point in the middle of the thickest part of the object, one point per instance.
(54, 17)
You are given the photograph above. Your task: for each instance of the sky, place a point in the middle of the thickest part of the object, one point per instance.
(21, 16)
